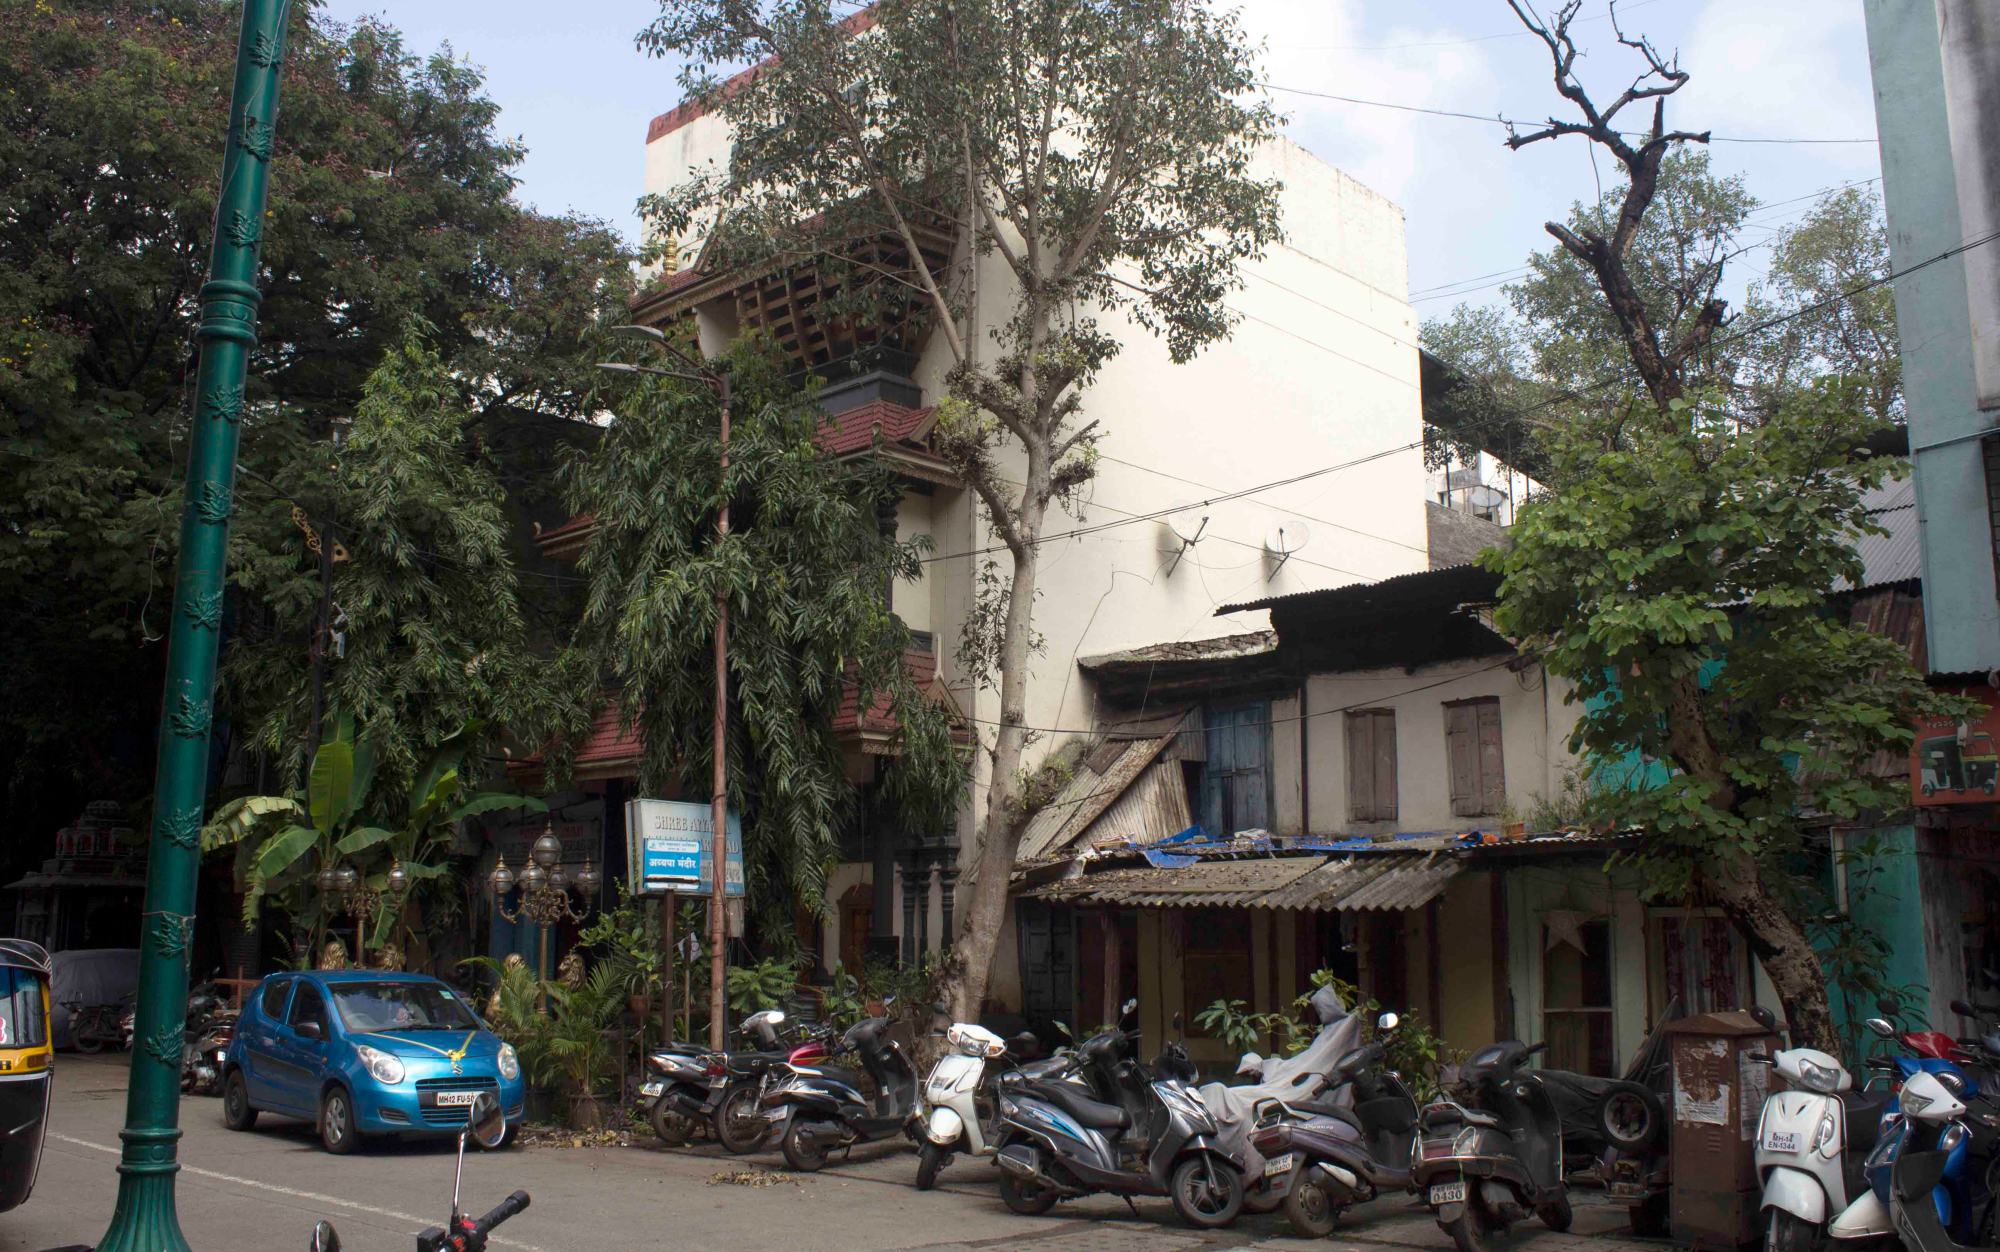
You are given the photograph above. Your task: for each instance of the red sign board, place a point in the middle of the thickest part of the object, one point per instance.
(1955, 762)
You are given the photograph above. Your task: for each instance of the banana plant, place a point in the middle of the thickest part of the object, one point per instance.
(281, 839)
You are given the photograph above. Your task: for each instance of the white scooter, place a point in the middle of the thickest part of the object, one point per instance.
(1803, 1138)
(947, 1117)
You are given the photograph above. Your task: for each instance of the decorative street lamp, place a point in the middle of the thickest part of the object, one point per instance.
(545, 889)
(342, 890)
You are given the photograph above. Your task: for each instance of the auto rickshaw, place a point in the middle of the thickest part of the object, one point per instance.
(26, 1079)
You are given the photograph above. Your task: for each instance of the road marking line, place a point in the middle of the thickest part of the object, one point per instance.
(313, 1196)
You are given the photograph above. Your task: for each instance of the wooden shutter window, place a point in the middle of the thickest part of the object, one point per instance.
(1371, 765)
(1472, 746)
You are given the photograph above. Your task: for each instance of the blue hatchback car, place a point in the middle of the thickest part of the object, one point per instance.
(363, 1052)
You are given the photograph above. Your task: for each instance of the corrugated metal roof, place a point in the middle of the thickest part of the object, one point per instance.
(1382, 881)
(1089, 793)
(1467, 580)
(1897, 556)
(1153, 807)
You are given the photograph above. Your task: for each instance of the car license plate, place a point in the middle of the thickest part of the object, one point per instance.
(652, 1088)
(1781, 1141)
(1448, 1193)
(456, 1099)
(1280, 1164)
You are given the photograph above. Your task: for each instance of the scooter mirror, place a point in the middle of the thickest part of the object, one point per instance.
(325, 1238)
(1881, 1027)
(1388, 1021)
(488, 1124)
(1889, 1006)
(1963, 1009)
(1131, 1006)
(1180, 1024)
(1765, 1018)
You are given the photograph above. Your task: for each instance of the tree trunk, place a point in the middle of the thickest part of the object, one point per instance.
(1782, 945)
(984, 899)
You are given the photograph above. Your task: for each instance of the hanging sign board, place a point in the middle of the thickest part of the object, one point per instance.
(668, 844)
(1953, 762)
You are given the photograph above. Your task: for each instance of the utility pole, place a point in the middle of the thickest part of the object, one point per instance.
(145, 1219)
(718, 900)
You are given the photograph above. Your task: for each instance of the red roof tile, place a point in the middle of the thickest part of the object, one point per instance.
(688, 110)
(853, 430)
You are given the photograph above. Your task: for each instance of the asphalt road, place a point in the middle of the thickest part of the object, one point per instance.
(264, 1189)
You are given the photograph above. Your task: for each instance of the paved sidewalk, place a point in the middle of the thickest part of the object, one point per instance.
(252, 1192)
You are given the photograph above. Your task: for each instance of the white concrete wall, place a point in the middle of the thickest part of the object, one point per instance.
(1322, 370)
(1534, 728)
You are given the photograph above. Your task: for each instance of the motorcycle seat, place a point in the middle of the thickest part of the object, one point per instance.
(1091, 1113)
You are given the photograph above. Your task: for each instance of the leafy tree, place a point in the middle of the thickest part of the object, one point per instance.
(390, 202)
(1101, 152)
(803, 567)
(1682, 574)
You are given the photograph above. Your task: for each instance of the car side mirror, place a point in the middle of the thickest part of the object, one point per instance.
(325, 1237)
(310, 1030)
(489, 1125)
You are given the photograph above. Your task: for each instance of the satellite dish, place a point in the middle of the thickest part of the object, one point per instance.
(1281, 541)
(1186, 521)
(1485, 497)
(1181, 528)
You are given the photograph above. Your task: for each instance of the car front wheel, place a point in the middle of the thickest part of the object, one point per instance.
(336, 1123)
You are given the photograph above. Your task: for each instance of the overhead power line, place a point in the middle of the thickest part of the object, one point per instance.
(1494, 119)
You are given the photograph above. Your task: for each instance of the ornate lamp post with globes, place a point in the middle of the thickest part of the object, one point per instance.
(545, 888)
(342, 890)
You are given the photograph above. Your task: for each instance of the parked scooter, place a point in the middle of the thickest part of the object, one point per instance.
(486, 1124)
(827, 1109)
(1811, 1140)
(1867, 1219)
(949, 1119)
(1152, 1137)
(1486, 1165)
(1295, 1080)
(1935, 1164)
(1326, 1157)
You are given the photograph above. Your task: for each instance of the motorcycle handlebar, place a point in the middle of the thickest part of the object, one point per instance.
(1543, 1046)
(509, 1207)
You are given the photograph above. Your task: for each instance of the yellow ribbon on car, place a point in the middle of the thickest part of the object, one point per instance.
(454, 1055)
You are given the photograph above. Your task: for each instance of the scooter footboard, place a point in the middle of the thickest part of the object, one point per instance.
(1796, 1192)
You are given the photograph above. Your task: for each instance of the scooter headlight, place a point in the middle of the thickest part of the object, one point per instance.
(510, 1062)
(1818, 1077)
(382, 1067)
(1913, 1102)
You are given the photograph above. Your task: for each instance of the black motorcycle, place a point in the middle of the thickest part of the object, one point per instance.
(1614, 1130)
(827, 1108)
(1486, 1164)
(693, 1087)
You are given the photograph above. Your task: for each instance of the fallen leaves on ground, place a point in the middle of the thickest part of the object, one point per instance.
(750, 1178)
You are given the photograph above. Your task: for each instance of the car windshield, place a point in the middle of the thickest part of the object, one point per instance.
(370, 1006)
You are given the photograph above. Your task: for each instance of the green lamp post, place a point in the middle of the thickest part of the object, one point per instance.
(145, 1219)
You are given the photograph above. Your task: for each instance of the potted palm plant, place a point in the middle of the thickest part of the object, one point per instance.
(579, 1051)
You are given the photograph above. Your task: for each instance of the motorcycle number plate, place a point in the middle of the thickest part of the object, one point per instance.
(1448, 1193)
(455, 1099)
(1781, 1141)
(720, 1080)
(1280, 1164)
(652, 1088)
(774, 1115)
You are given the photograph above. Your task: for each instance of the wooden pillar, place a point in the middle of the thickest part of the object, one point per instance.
(1107, 924)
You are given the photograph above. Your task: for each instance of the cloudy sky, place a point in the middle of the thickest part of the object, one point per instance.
(575, 89)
